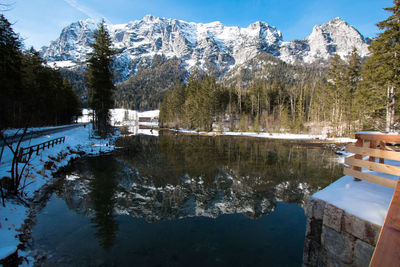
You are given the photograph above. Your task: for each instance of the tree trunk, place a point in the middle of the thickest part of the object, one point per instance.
(390, 109)
(292, 107)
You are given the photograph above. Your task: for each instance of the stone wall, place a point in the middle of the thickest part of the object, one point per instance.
(336, 238)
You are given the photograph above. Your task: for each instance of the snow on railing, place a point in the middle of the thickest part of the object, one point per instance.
(369, 147)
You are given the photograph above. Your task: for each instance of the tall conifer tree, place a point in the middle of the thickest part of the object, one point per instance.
(10, 74)
(382, 69)
(100, 79)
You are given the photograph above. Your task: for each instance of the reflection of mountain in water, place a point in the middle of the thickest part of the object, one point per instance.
(181, 176)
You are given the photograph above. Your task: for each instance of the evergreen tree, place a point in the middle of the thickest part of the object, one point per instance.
(382, 69)
(31, 94)
(243, 127)
(337, 92)
(100, 79)
(177, 102)
(47, 98)
(10, 74)
(192, 103)
(256, 124)
(207, 102)
(352, 79)
(298, 124)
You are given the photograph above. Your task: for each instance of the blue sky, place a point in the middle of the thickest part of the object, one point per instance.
(40, 21)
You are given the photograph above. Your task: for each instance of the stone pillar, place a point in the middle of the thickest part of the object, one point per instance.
(336, 238)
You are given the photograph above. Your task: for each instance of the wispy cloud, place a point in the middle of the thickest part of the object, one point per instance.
(85, 10)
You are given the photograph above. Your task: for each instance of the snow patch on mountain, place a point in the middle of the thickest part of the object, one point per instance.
(207, 46)
(333, 37)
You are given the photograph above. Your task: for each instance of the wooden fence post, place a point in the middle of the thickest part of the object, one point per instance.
(372, 144)
(38, 147)
(382, 146)
(359, 143)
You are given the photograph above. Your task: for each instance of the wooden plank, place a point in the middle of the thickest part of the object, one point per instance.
(373, 166)
(382, 146)
(370, 177)
(391, 138)
(372, 145)
(373, 152)
(387, 249)
(359, 143)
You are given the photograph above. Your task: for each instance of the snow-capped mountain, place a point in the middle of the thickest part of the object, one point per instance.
(211, 46)
(333, 37)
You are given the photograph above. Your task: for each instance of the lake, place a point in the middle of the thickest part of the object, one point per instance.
(180, 200)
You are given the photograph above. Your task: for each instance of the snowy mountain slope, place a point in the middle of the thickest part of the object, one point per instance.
(333, 37)
(209, 47)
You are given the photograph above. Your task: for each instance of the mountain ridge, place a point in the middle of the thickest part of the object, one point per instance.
(205, 46)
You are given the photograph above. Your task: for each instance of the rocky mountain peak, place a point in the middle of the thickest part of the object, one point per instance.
(333, 37)
(209, 46)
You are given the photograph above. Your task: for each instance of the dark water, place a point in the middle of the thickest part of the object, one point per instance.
(185, 201)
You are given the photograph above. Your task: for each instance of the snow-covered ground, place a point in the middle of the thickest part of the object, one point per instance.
(363, 199)
(127, 117)
(119, 116)
(150, 114)
(11, 132)
(135, 130)
(13, 214)
(286, 136)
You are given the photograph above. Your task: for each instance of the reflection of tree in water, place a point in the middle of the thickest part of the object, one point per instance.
(263, 163)
(103, 187)
(182, 175)
(177, 176)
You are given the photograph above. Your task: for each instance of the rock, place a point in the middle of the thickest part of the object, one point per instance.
(361, 229)
(314, 229)
(312, 253)
(362, 253)
(333, 217)
(315, 208)
(338, 245)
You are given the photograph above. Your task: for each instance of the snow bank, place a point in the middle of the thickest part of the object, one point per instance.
(150, 114)
(86, 116)
(62, 64)
(12, 216)
(148, 132)
(286, 136)
(363, 199)
(77, 140)
(121, 116)
(11, 132)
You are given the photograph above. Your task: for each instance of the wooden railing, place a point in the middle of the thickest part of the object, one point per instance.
(373, 146)
(387, 249)
(26, 153)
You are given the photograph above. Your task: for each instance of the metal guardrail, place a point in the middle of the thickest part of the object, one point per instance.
(374, 146)
(26, 153)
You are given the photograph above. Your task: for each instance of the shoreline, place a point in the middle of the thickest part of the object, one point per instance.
(19, 247)
(276, 136)
(18, 219)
